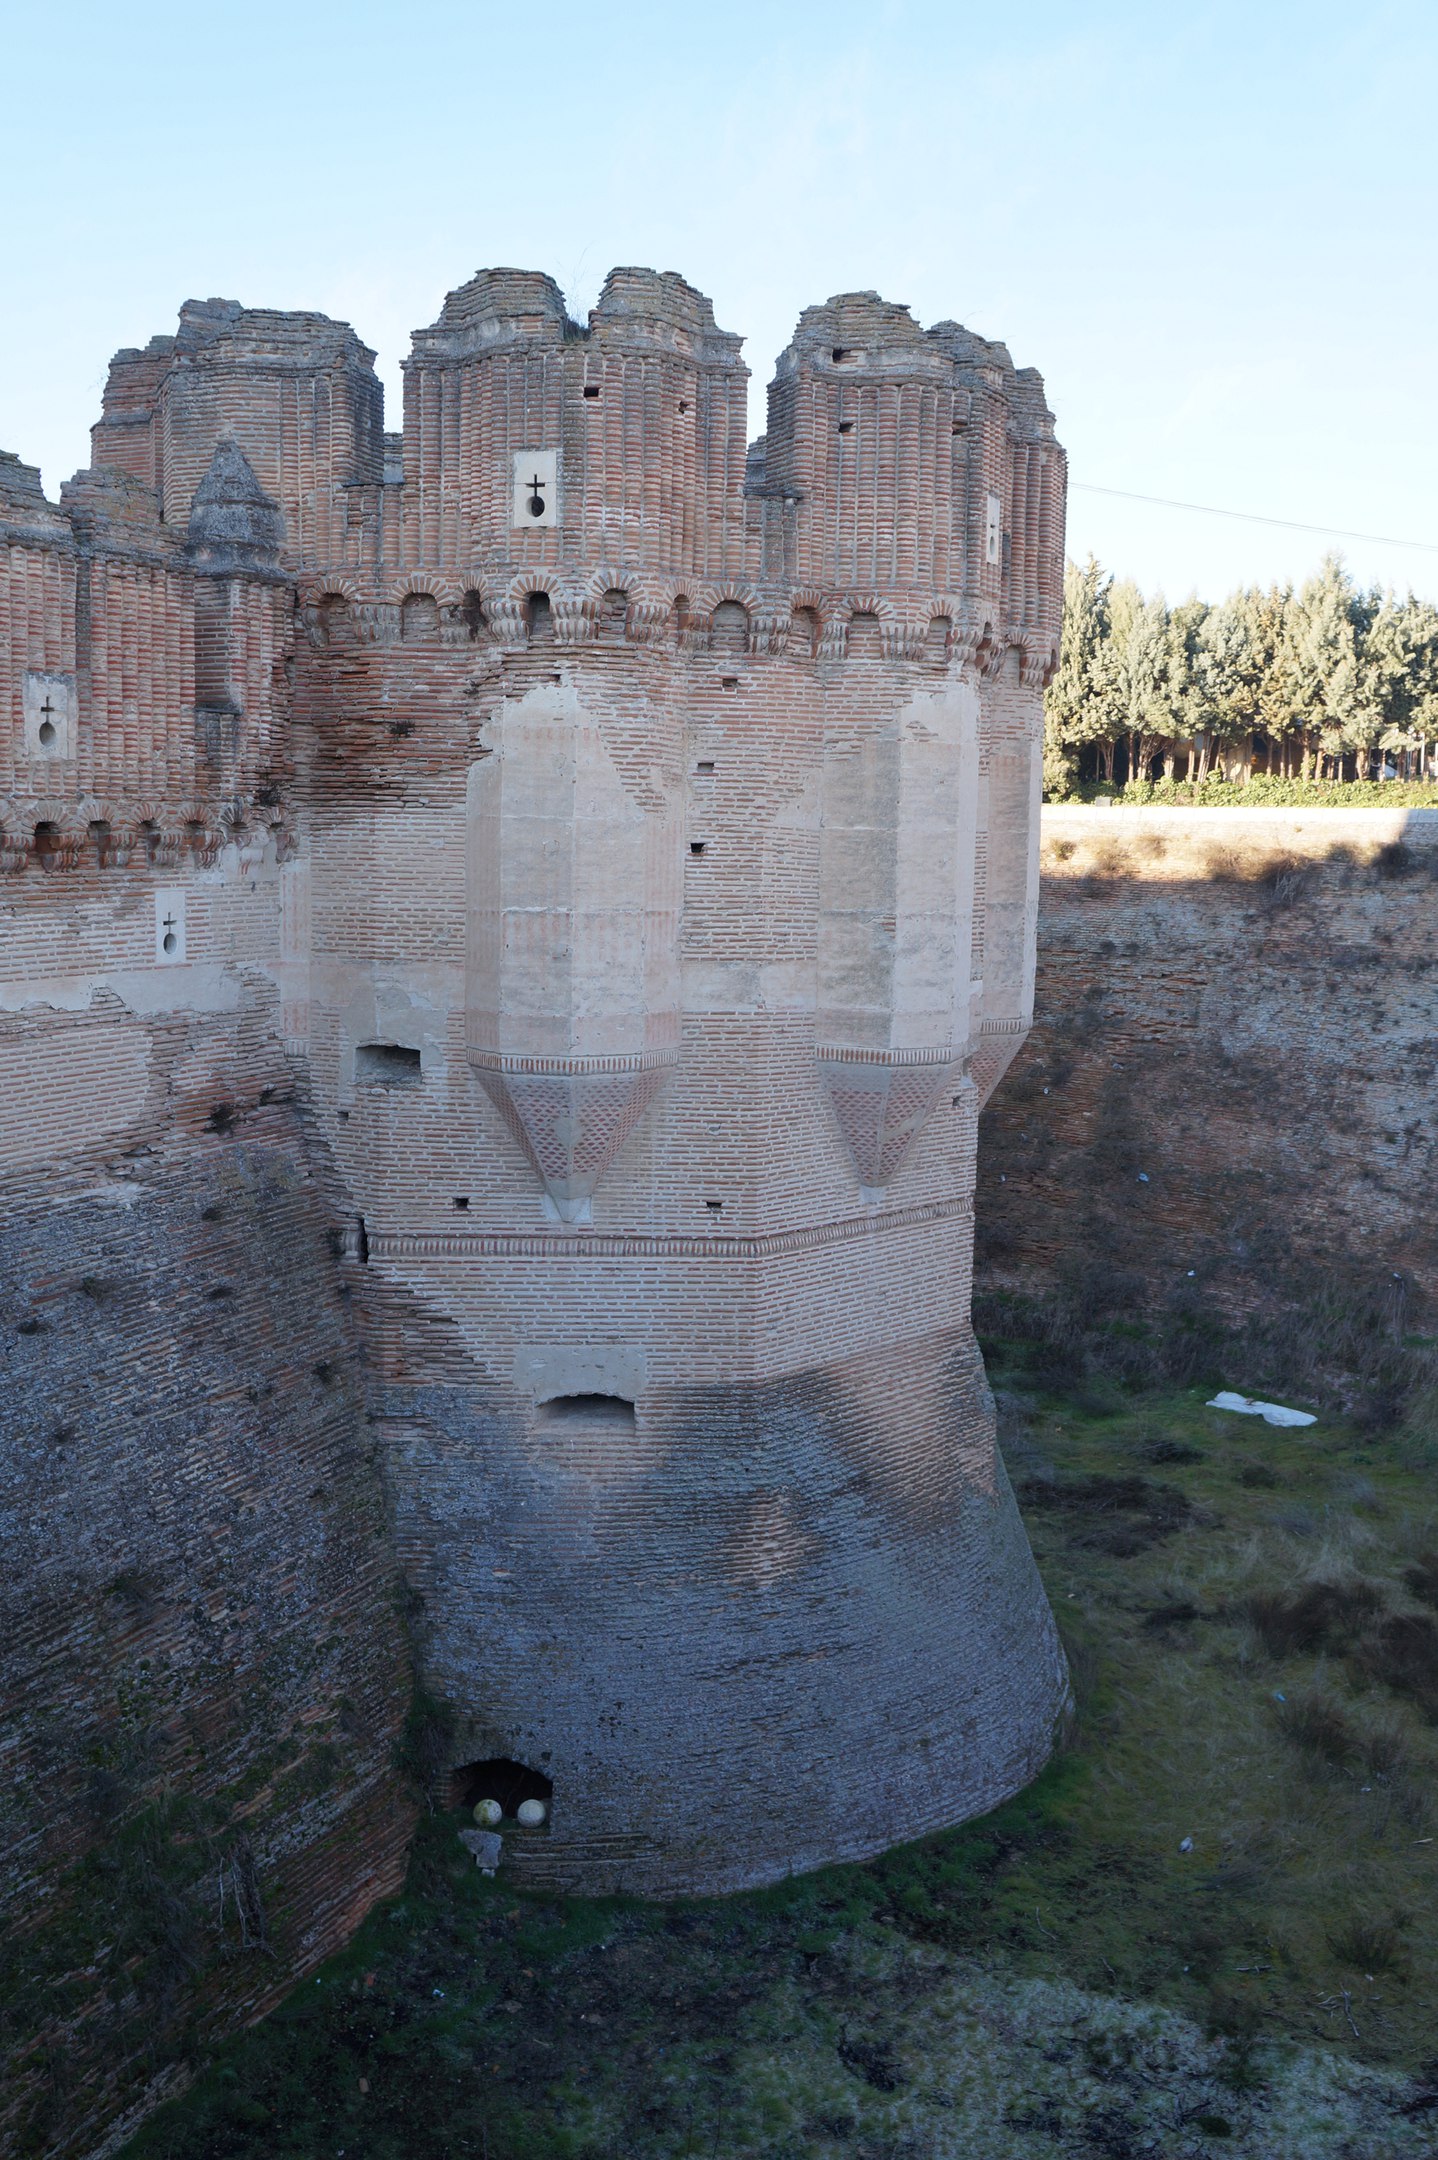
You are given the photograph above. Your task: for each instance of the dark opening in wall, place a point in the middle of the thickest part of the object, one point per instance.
(591, 389)
(498, 1778)
(471, 612)
(715, 1207)
(843, 354)
(706, 764)
(387, 1065)
(696, 847)
(590, 1410)
(461, 1201)
(539, 619)
(846, 427)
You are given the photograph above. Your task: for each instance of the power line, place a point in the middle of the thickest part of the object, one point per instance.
(1248, 517)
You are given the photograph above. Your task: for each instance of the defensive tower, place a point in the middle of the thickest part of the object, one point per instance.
(632, 839)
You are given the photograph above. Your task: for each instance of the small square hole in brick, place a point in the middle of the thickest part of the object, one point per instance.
(715, 1207)
(461, 1201)
(591, 389)
(846, 427)
(696, 847)
(730, 682)
(706, 764)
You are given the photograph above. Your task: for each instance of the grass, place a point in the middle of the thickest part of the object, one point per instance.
(1070, 1975)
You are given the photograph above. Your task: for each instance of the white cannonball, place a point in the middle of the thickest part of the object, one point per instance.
(532, 1813)
(488, 1813)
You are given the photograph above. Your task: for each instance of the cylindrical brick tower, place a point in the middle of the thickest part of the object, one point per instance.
(657, 973)
(655, 833)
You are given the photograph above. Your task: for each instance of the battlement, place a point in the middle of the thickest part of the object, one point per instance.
(581, 482)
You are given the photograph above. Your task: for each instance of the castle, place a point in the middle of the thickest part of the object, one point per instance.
(613, 846)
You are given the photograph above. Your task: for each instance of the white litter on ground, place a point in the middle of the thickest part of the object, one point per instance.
(1273, 1412)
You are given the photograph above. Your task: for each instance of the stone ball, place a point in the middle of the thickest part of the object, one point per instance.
(488, 1813)
(532, 1813)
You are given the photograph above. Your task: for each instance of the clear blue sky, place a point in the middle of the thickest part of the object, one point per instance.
(1211, 227)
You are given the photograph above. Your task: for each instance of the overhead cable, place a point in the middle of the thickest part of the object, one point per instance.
(1250, 517)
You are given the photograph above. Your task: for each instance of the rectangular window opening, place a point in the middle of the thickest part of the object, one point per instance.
(387, 1065)
(706, 764)
(461, 1201)
(715, 1207)
(696, 847)
(591, 389)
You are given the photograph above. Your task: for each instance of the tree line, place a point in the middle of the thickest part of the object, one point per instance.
(1321, 682)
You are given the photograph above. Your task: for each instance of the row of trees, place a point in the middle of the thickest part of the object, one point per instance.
(1325, 682)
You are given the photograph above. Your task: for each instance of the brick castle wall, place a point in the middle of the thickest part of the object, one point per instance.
(610, 851)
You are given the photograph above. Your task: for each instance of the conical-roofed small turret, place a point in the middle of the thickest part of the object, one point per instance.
(233, 522)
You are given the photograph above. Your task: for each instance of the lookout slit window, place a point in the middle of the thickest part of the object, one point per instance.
(539, 619)
(472, 614)
(387, 1065)
(993, 529)
(501, 1779)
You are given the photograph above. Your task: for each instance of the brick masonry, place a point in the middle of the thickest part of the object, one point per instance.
(610, 849)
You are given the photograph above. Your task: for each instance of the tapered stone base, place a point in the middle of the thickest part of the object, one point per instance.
(767, 1628)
